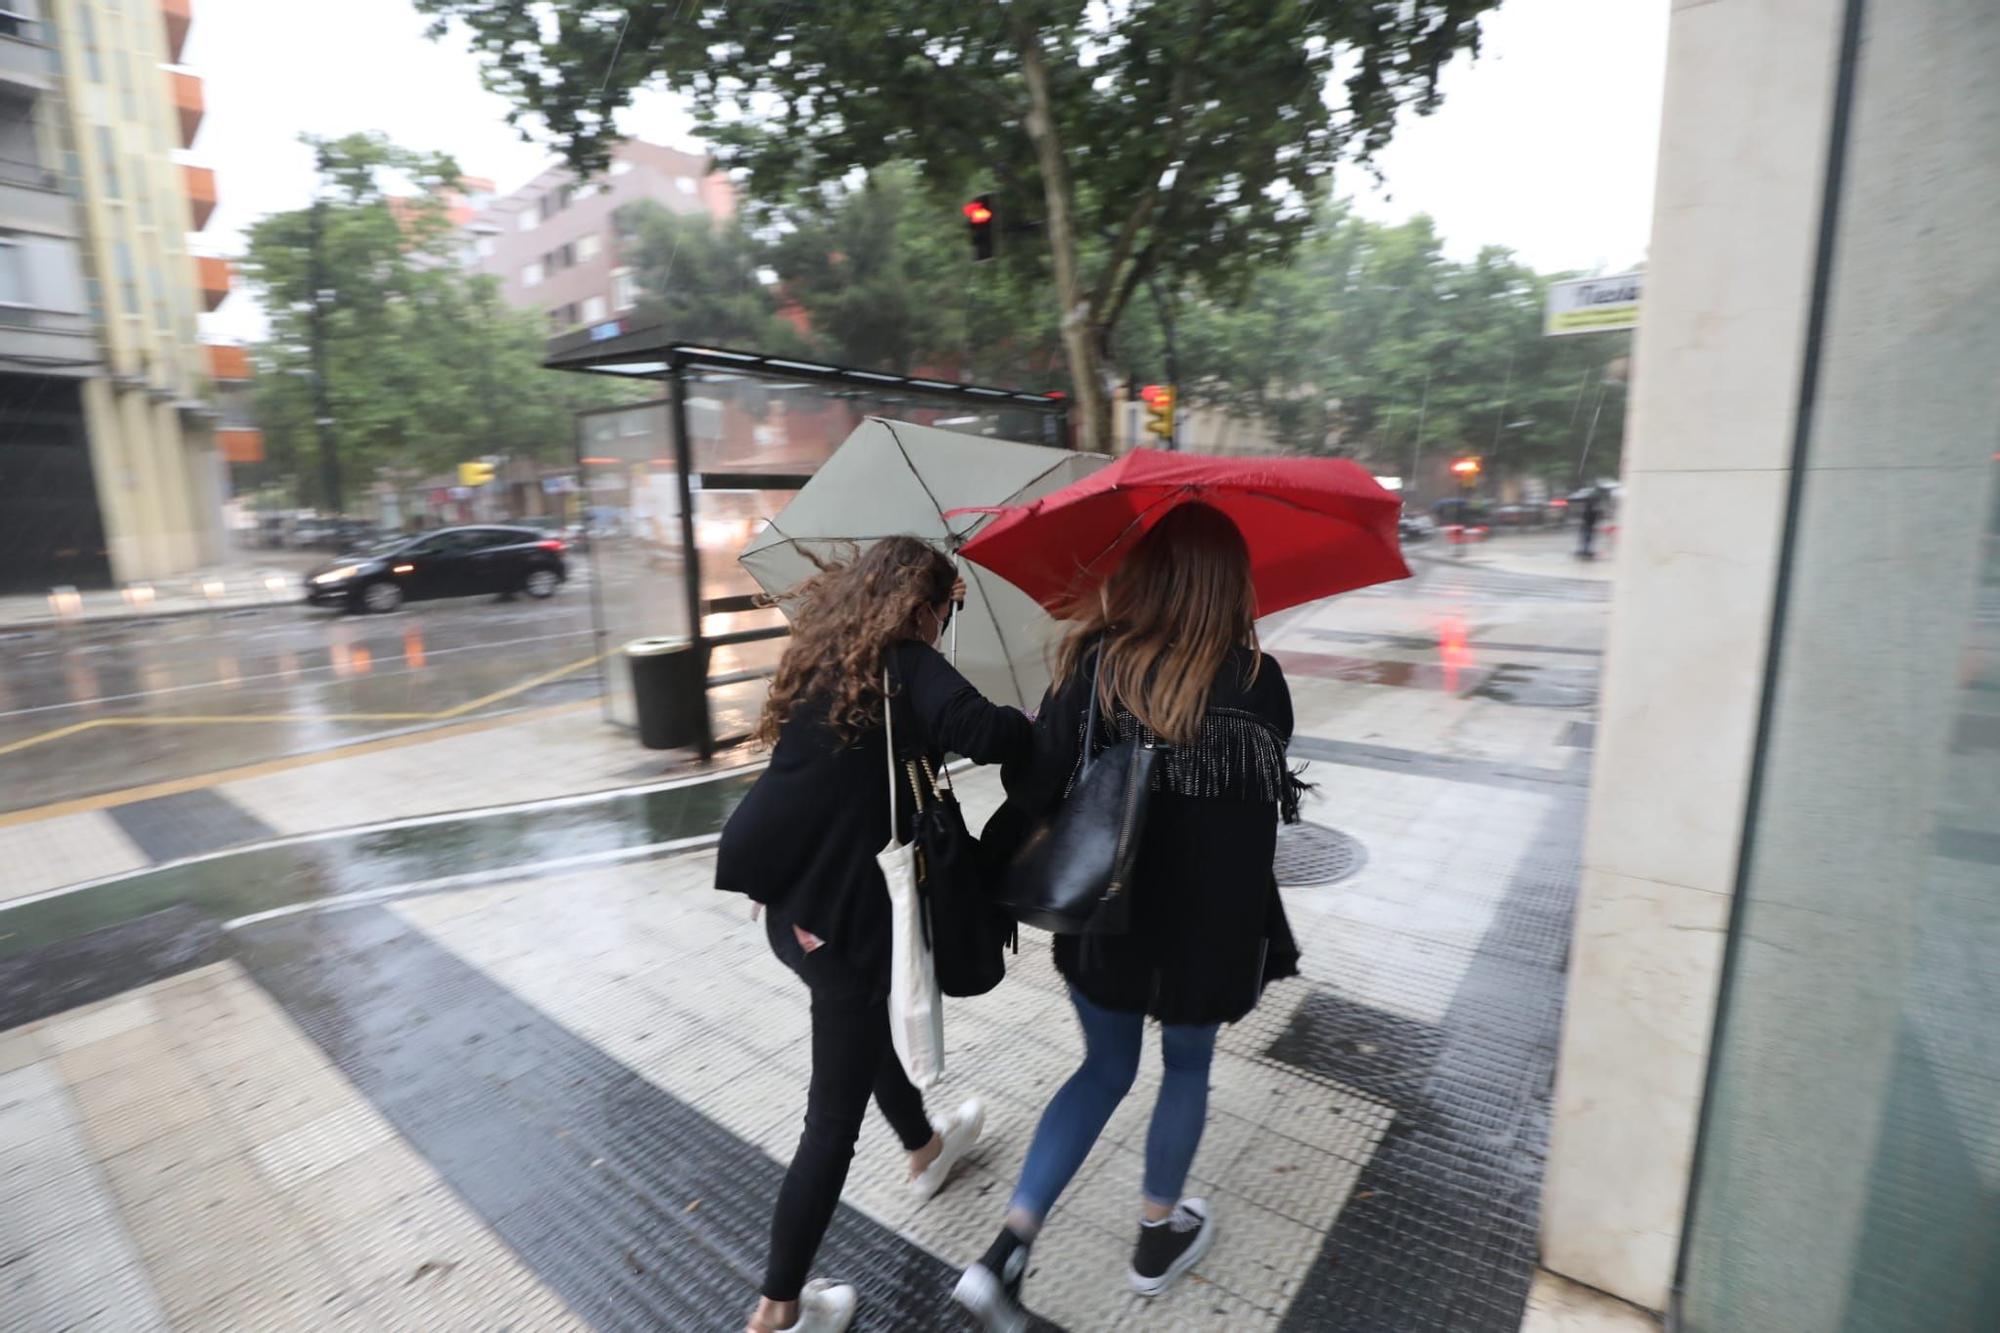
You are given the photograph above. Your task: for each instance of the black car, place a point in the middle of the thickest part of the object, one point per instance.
(451, 562)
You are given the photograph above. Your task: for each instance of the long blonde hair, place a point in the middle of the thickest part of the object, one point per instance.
(1169, 617)
(843, 622)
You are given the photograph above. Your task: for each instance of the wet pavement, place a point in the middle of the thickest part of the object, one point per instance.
(114, 704)
(548, 1016)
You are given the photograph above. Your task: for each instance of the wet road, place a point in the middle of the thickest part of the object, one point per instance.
(112, 704)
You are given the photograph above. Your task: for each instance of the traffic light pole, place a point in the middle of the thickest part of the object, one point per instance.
(1173, 440)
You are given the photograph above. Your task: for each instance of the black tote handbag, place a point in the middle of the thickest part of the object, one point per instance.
(1073, 874)
(968, 934)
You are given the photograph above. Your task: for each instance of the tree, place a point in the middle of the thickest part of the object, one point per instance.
(425, 366)
(1185, 138)
(704, 280)
(1372, 343)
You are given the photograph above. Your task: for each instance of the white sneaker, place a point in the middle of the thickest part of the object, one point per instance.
(824, 1307)
(960, 1130)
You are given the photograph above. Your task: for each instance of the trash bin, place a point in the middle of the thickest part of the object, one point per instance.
(669, 692)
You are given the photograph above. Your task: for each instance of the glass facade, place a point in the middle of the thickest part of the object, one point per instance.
(1847, 1175)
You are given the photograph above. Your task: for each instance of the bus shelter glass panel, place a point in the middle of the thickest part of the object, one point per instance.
(631, 494)
(765, 427)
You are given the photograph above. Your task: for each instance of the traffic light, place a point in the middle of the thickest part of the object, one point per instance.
(474, 474)
(1159, 401)
(1467, 470)
(979, 217)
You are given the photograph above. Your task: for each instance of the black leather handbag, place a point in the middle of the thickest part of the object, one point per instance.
(1073, 874)
(968, 934)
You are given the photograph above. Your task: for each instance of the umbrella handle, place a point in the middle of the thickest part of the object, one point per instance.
(958, 572)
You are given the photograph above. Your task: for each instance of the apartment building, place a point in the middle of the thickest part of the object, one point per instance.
(109, 460)
(553, 244)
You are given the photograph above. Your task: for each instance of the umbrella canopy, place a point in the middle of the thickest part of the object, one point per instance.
(1315, 526)
(890, 479)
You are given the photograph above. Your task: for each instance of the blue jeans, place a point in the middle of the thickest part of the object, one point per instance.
(1079, 1111)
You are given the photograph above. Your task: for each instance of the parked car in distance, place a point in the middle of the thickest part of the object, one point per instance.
(450, 562)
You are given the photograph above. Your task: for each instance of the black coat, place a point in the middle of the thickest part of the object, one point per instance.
(1208, 929)
(804, 840)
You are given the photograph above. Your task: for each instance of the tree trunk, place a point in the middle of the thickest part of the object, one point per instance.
(1079, 333)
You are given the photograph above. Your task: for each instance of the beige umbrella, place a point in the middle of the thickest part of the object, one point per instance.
(890, 479)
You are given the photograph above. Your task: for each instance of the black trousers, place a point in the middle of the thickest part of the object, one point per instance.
(852, 1059)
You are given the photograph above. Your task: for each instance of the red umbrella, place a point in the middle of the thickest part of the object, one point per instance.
(1315, 526)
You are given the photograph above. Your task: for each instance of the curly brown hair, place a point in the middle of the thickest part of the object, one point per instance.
(844, 620)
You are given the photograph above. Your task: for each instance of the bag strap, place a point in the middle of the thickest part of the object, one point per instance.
(1090, 714)
(889, 739)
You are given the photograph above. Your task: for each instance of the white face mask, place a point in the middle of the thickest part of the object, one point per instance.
(938, 625)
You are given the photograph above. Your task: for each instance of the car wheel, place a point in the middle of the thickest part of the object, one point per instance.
(381, 597)
(542, 583)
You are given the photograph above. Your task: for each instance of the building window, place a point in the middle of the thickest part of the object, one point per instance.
(484, 247)
(108, 150)
(685, 184)
(140, 192)
(531, 274)
(88, 27)
(593, 309)
(128, 279)
(624, 289)
(620, 167)
(13, 274)
(528, 219)
(563, 317)
(126, 100)
(587, 247)
(587, 190)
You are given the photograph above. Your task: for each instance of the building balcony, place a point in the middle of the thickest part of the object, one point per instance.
(26, 58)
(228, 363)
(240, 444)
(179, 15)
(214, 278)
(199, 182)
(189, 102)
(59, 342)
(32, 199)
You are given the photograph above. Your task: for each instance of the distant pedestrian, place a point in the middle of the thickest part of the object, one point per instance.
(1588, 517)
(1175, 631)
(803, 845)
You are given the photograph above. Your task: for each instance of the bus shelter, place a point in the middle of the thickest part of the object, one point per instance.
(674, 487)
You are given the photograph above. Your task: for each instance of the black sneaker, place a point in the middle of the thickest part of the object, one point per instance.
(1168, 1248)
(991, 1289)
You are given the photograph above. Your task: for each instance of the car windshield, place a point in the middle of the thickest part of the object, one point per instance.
(390, 547)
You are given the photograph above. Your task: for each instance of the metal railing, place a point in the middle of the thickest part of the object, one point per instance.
(23, 28)
(31, 175)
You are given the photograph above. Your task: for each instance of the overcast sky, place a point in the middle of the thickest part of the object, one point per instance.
(1544, 145)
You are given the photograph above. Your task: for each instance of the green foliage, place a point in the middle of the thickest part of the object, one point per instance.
(425, 366)
(1371, 330)
(1178, 137)
(876, 271)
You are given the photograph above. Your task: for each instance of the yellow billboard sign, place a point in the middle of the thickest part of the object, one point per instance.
(1592, 305)
(474, 474)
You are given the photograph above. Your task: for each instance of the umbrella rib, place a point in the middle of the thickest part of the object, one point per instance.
(1000, 637)
(1137, 519)
(911, 463)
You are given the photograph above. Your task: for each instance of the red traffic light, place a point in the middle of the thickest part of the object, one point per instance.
(978, 212)
(1152, 393)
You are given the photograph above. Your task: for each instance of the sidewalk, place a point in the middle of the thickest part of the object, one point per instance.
(1541, 554)
(259, 578)
(528, 1070)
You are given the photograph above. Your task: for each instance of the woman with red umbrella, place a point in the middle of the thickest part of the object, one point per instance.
(1174, 628)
